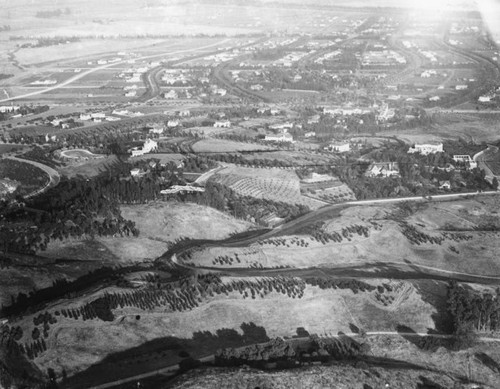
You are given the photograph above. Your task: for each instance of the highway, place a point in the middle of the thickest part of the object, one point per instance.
(93, 70)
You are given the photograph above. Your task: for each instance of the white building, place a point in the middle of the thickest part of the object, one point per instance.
(485, 99)
(339, 147)
(386, 113)
(220, 91)
(256, 87)
(9, 108)
(281, 126)
(98, 115)
(149, 146)
(172, 123)
(426, 148)
(465, 159)
(156, 129)
(170, 95)
(85, 116)
(182, 188)
(222, 124)
(310, 134)
(281, 137)
(383, 169)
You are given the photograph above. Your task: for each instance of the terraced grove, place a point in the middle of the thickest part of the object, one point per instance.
(270, 184)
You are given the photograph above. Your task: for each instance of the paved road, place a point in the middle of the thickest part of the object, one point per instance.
(54, 176)
(171, 370)
(93, 70)
(481, 159)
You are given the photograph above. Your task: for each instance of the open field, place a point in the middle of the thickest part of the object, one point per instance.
(159, 224)
(168, 221)
(318, 311)
(468, 126)
(456, 236)
(79, 154)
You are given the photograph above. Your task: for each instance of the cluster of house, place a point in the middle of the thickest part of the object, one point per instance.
(283, 136)
(426, 148)
(98, 117)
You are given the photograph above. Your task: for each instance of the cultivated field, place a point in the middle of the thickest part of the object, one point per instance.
(271, 184)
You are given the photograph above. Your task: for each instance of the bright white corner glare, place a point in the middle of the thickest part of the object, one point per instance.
(490, 13)
(430, 5)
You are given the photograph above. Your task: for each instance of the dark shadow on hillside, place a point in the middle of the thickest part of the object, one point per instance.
(426, 383)
(163, 352)
(435, 293)
(487, 361)
(426, 343)
(354, 328)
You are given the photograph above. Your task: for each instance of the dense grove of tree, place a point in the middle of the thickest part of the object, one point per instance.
(318, 233)
(83, 207)
(285, 353)
(417, 237)
(420, 175)
(30, 177)
(52, 41)
(473, 311)
(24, 110)
(330, 283)
(41, 155)
(74, 208)
(37, 300)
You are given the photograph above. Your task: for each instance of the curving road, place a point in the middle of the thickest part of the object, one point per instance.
(482, 158)
(384, 269)
(54, 176)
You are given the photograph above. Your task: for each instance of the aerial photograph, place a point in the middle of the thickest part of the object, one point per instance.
(253, 194)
